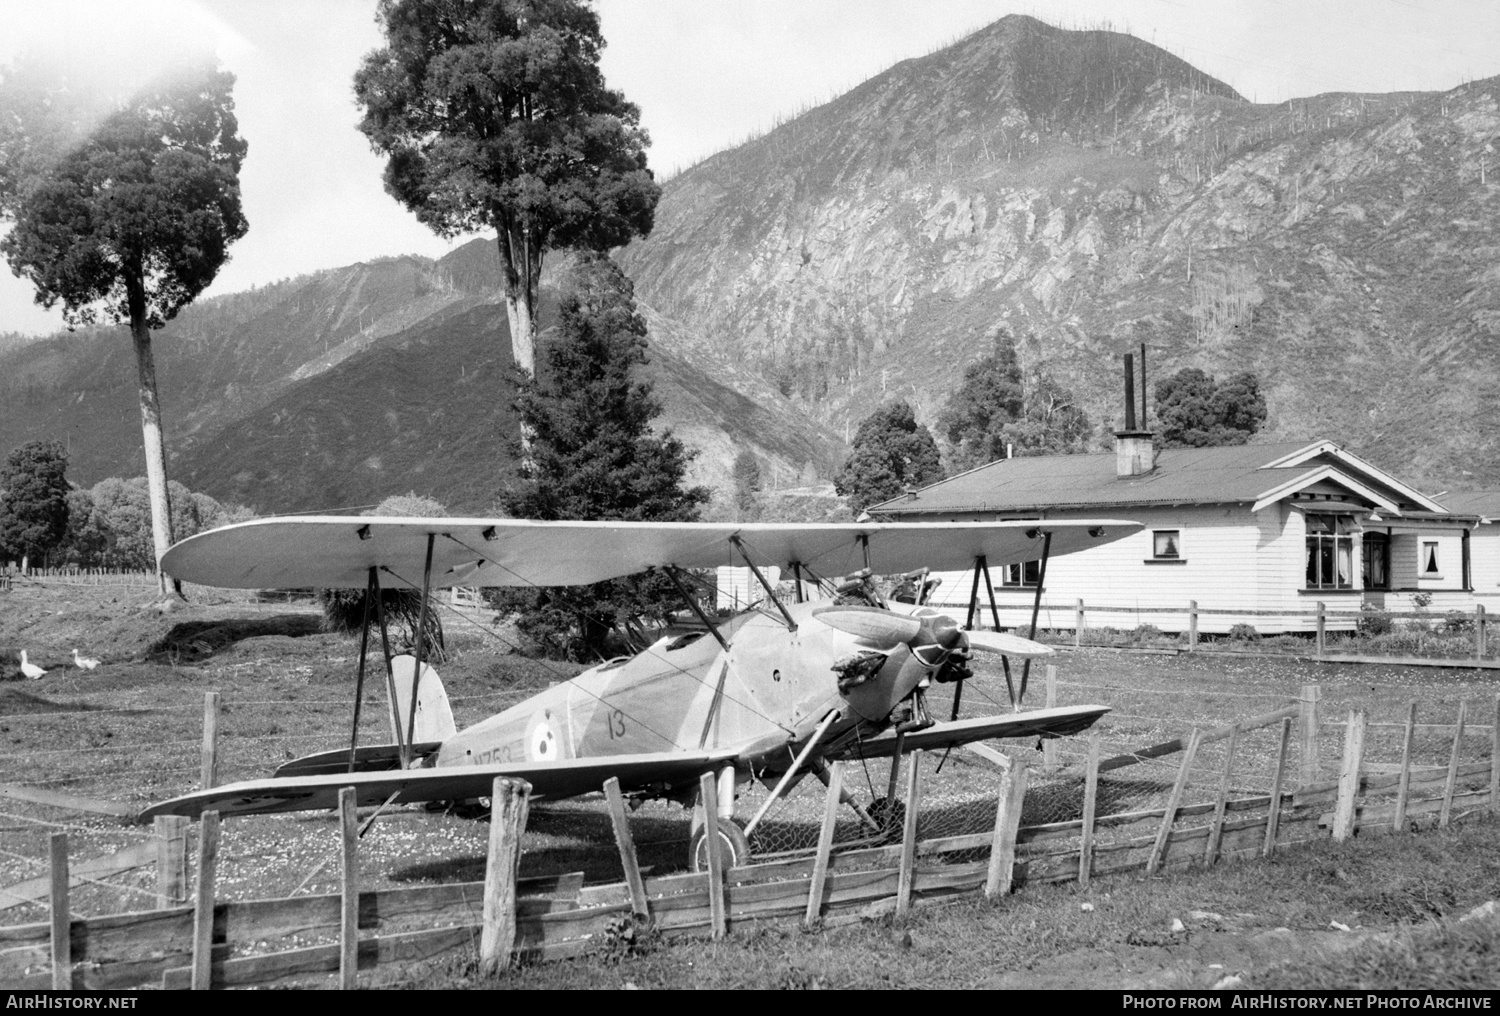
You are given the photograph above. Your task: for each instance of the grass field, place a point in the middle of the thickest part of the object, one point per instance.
(130, 732)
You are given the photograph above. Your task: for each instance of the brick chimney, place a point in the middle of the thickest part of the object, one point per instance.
(1134, 452)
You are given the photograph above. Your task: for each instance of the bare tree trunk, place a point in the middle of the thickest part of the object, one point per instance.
(156, 456)
(520, 271)
(520, 284)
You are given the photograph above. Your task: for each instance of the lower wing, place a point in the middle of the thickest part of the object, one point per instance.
(563, 778)
(1056, 722)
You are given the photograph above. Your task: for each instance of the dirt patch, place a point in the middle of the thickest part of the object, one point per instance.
(130, 625)
(196, 640)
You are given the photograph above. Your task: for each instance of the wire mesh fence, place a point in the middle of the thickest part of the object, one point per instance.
(149, 740)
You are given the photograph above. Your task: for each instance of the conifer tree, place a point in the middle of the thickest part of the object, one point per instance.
(595, 456)
(132, 223)
(494, 113)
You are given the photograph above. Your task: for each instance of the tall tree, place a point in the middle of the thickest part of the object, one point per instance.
(494, 114)
(892, 452)
(34, 499)
(989, 399)
(994, 411)
(594, 455)
(1052, 422)
(1197, 412)
(133, 223)
(747, 485)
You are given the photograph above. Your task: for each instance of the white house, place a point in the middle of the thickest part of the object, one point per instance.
(1260, 532)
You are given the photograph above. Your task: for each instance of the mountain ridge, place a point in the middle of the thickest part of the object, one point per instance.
(1084, 192)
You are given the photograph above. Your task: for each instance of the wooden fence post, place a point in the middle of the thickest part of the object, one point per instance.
(62, 918)
(509, 802)
(1008, 804)
(1078, 624)
(825, 845)
(1159, 848)
(1090, 806)
(171, 860)
(349, 902)
(1479, 633)
(1216, 829)
(1050, 745)
(1322, 627)
(1273, 818)
(1403, 790)
(1452, 781)
(1192, 624)
(1495, 757)
(210, 771)
(1354, 753)
(908, 836)
(632, 867)
(1311, 693)
(203, 901)
(708, 795)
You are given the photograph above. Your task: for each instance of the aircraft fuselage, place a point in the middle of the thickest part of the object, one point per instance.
(761, 697)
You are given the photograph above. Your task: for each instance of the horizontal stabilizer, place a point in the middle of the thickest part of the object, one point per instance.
(562, 778)
(369, 758)
(1056, 722)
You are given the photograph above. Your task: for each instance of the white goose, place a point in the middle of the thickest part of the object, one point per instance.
(85, 663)
(31, 670)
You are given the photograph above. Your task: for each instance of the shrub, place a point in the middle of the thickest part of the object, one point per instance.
(1456, 622)
(1145, 633)
(1373, 621)
(344, 609)
(1244, 633)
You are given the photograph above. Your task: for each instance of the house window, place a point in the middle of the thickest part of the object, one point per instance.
(1330, 552)
(1166, 544)
(1430, 569)
(1028, 574)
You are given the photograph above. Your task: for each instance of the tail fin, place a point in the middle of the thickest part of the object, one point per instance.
(434, 716)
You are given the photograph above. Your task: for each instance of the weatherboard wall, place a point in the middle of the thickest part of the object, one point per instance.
(1230, 559)
(1484, 552)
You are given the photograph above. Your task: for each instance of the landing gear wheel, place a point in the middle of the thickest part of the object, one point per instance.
(890, 816)
(474, 808)
(734, 846)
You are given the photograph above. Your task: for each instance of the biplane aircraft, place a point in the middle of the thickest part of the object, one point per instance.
(822, 669)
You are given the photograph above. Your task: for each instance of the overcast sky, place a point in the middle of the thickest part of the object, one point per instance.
(705, 73)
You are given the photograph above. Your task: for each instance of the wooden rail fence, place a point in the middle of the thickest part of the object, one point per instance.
(205, 942)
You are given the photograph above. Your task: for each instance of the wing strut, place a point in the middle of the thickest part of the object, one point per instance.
(790, 624)
(359, 679)
(828, 721)
(982, 568)
(416, 675)
(695, 606)
(713, 706)
(1036, 606)
(390, 673)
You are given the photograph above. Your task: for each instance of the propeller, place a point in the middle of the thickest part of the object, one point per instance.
(874, 624)
(925, 631)
(1002, 643)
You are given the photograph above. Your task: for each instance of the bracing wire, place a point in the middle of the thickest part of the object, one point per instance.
(750, 707)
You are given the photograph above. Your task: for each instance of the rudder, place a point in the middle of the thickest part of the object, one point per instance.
(434, 715)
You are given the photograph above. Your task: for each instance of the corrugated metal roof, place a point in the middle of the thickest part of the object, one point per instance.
(1475, 502)
(1181, 476)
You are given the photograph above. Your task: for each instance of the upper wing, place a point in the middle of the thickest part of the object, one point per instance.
(329, 552)
(564, 778)
(1056, 722)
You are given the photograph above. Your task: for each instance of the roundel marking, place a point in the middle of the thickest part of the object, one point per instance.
(541, 740)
